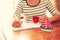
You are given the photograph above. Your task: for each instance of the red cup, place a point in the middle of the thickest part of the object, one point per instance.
(35, 19)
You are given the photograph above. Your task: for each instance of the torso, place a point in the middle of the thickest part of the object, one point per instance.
(38, 10)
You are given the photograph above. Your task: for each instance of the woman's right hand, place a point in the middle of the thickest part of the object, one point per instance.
(16, 22)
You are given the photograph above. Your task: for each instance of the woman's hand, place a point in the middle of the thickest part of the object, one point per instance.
(54, 18)
(42, 18)
(16, 23)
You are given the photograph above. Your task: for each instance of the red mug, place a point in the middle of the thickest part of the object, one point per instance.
(35, 19)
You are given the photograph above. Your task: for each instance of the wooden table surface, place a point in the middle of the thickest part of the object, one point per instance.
(38, 34)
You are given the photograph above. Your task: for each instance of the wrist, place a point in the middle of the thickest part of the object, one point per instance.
(51, 19)
(54, 18)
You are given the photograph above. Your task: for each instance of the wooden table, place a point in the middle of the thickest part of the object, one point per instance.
(38, 34)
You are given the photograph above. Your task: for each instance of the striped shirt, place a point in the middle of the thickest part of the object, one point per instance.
(38, 10)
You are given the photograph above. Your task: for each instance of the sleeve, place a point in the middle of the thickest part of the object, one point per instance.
(18, 10)
(51, 8)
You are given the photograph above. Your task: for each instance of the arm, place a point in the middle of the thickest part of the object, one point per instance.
(56, 17)
(53, 11)
(17, 14)
(18, 11)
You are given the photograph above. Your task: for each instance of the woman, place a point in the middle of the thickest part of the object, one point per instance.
(34, 11)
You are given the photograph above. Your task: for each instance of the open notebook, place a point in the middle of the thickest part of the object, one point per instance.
(26, 26)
